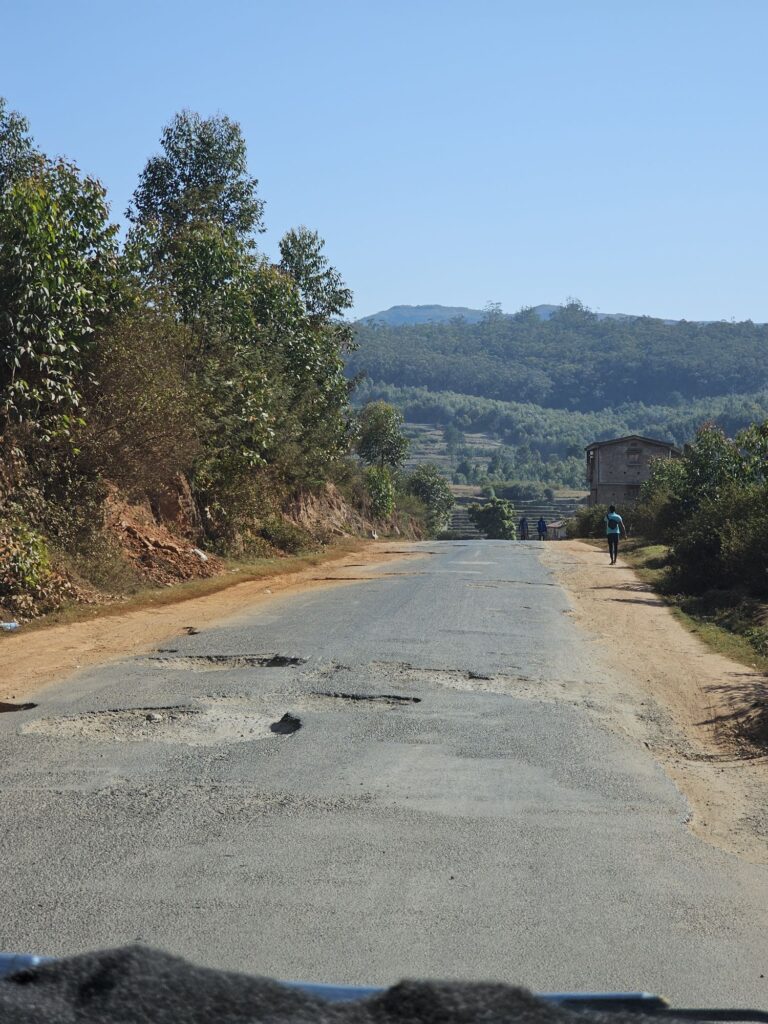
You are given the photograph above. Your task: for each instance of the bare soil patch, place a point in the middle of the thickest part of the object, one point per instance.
(31, 659)
(699, 700)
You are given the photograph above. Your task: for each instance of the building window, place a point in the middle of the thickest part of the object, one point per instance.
(633, 457)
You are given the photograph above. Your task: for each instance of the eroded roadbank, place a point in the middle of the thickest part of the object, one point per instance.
(673, 693)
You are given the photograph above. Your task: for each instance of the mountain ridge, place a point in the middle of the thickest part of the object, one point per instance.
(405, 315)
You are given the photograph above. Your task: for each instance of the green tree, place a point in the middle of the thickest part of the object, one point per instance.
(18, 156)
(496, 519)
(322, 289)
(314, 351)
(195, 212)
(202, 174)
(710, 506)
(267, 340)
(381, 441)
(429, 485)
(454, 439)
(381, 491)
(58, 275)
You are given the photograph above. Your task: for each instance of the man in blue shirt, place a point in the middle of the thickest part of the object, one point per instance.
(614, 527)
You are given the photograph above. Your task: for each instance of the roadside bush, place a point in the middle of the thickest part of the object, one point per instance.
(743, 530)
(429, 485)
(381, 492)
(63, 498)
(711, 507)
(724, 541)
(232, 504)
(409, 506)
(525, 490)
(27, 582)
(496, 519)
(589, 521)
(144, 408)
(286, 536)
(349, 478)
(663, 501)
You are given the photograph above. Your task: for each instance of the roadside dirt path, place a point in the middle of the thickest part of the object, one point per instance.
(29, 660)
(692, 692)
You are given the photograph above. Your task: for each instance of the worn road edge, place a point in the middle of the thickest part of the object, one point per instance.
(34, 659)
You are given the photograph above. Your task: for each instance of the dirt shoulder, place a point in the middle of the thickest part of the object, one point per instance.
(32, 658)
(694, 695)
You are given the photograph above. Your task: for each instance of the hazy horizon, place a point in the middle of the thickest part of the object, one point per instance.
(524, 305)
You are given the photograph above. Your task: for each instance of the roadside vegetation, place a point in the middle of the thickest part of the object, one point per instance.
(171, 399)
(495, 518)
(698, 536)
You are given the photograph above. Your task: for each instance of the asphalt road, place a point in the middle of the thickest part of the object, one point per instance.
(436, 830)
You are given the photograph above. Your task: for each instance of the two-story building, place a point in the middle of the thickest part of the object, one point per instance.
(617, 468)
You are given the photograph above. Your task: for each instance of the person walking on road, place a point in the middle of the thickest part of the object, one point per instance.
(524, 528)
(541, 527)
(614, 527)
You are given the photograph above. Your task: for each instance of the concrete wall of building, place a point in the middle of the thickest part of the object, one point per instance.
(612, 494)
(616, 470)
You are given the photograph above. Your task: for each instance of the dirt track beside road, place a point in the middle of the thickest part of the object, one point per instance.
(725, 780)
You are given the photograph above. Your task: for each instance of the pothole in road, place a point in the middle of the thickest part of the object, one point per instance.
(209, 720)
(287, 725)
(5, 707)
(186, 724)
(392, 699)
(222, 662)
(463, 679)
(312, 700)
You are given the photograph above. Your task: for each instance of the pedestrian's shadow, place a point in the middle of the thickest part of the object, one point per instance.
(634, 587)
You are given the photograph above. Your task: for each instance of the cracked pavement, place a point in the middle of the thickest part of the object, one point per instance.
(448, 805)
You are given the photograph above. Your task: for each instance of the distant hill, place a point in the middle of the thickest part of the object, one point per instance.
(565, 357)
(546, 380)
(400, 316)
(396, 316)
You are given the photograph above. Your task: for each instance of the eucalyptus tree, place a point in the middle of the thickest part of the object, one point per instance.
(58, 286)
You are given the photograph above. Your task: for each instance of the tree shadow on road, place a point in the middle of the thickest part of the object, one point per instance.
(745, 714)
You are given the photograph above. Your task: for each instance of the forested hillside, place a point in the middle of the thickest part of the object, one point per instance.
(563, 431)
(573, 360)
(547, 386)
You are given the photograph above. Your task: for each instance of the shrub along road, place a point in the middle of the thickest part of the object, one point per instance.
(433, 772)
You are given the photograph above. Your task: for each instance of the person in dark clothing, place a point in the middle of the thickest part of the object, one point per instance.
(614, 527)
(541, 527)
(524, 528)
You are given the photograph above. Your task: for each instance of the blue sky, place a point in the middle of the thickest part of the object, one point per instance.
(450, 152)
